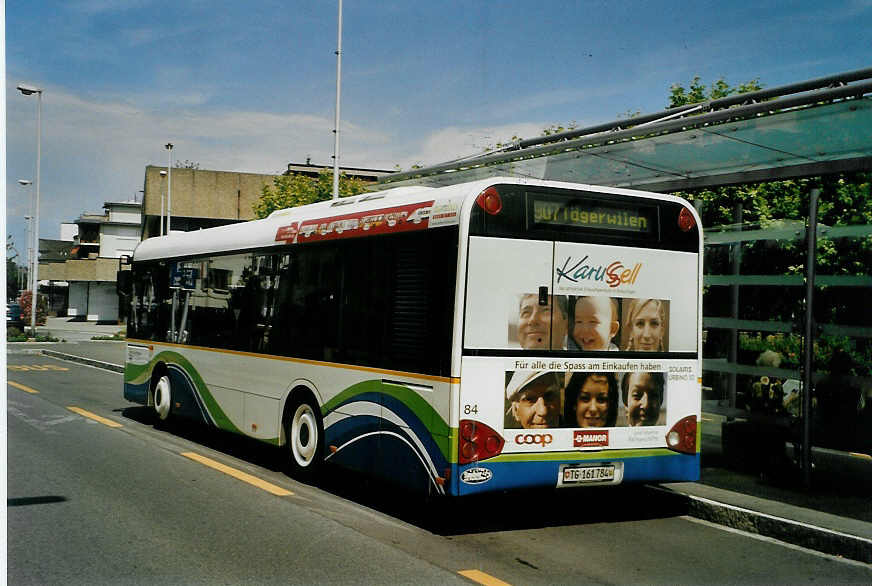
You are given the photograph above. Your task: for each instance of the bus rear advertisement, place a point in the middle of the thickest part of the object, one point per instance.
(490, 335)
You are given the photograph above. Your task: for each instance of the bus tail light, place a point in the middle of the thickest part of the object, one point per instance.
(478, 442)
(686, 221)
(490, 201)
(682, 436)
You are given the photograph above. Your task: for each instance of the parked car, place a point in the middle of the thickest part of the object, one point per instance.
(13, 315)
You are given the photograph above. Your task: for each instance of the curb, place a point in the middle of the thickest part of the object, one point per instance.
(786, 530)
(89, 361)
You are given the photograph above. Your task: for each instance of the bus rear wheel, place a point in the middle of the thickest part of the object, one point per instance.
(162, 393)
(305, 438)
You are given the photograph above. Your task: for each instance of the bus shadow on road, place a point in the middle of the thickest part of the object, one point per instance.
(238, 446)
(506, 511)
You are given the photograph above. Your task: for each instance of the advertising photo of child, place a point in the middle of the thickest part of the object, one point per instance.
(591, 400)
(595, 323)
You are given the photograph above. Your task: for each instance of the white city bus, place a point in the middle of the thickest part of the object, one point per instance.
(490, 335)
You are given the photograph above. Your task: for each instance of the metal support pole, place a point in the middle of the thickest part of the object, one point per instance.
(169, 147)
(35, 231)
(734, 304)
(338, 91)
(163, 202)
(808, 341)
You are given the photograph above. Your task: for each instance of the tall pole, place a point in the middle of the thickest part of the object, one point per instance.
(169, 148)
(36, 215)
(808, 343)
(338, 91)
(163, 201)
(28, 228)
(28, 90)
(24, 282)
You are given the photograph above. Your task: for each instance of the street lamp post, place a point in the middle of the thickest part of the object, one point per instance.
(27, 238)
(338, 91)
(163, 202)
(169, 147)
(28, 230)
(29, 90)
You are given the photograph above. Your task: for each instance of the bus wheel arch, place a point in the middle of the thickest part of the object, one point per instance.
(303, 429)
(160, 396)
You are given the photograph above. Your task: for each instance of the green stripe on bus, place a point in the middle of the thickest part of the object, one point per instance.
(136, 373)
(218, 415)
(429, 417)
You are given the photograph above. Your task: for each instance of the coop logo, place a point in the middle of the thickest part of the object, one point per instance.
(613, 274)
(542, 439)
(590, 438)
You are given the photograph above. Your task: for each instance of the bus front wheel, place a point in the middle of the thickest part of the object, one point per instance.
(162, 397)
(305, 439)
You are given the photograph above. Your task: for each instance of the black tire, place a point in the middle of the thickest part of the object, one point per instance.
(304, 433)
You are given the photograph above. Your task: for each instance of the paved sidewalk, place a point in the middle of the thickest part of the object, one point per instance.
(70, 330)
(838, 523)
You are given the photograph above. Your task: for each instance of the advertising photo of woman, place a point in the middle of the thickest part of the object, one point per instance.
(645, 325)
(591, 400)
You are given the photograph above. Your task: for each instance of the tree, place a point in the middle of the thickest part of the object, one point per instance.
(41, 308)
(679, 96)
(186, 164)
(288, 191)
(12, 269)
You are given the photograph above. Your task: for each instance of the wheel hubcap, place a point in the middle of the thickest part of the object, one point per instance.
(304, 435)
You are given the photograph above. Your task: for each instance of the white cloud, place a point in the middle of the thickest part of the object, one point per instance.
(454, 142)
(97, 150)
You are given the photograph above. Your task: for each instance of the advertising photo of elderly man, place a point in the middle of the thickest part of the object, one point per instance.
(543, 326)
(533, 399)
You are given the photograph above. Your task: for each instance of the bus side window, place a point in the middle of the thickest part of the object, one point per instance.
(365, 298)
(311, 308)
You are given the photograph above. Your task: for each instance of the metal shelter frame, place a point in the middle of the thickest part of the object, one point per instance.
(764, 123)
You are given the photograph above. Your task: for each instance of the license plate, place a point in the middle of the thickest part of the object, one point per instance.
(584, 474)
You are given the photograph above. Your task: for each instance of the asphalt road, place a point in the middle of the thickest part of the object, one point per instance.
(134, 503)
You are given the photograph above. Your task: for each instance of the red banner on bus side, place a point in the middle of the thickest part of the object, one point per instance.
(404, 218)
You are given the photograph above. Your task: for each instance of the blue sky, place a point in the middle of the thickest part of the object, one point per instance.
(249, 86)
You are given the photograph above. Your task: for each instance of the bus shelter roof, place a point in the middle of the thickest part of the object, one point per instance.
(811, 128)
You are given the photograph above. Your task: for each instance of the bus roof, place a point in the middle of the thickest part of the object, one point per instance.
(330, 219)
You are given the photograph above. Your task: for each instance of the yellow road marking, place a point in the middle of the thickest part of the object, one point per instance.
(238, 474)
(22, 387)
(482, 578)
(37, 367)
(94, 416)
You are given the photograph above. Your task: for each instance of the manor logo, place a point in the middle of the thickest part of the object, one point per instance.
(590, 438)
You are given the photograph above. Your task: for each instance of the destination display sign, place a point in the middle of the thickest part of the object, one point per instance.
(546, 211)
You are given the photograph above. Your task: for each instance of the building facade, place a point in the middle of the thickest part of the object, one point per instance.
(199, 198)
(89, 271)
